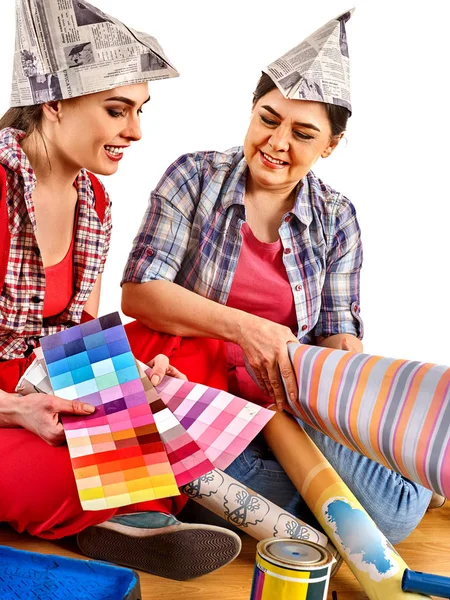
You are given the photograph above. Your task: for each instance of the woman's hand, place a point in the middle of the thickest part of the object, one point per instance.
(265, 347)
(39, 413)
(161, 366)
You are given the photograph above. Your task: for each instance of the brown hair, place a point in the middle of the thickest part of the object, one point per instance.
(26, 118)
(337, 115)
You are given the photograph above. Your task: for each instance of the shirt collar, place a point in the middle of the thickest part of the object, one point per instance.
(233, 190)
(13, 156)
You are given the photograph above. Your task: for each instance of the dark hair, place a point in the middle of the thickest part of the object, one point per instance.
(337, 115)
(26, 118)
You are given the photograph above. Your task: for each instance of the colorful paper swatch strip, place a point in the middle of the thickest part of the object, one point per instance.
(396, 412)
(117, 454)
(221, 424)
(187, 459)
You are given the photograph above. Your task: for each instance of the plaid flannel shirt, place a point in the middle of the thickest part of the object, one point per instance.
(22, 297)
(190, 234)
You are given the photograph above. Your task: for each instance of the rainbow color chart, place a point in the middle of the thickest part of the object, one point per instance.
(117, 454)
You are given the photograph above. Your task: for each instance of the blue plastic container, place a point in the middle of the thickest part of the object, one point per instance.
(32, 576)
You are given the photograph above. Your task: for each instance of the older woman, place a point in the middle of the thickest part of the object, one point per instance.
(250, 247)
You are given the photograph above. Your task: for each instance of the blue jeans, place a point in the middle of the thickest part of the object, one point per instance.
(395, 504)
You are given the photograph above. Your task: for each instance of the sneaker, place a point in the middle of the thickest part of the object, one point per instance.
(436, 501)
(160, 544)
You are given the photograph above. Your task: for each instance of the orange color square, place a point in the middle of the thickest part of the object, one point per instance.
(132, 463)
(110, 478)
(139, 484)
(82, 472)
(159, 469)
(109, 467)
(101, 438)
(115, 489)
(137, 473)
(124, 434)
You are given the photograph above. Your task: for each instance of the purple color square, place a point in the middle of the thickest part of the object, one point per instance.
(109, 321)
(74, 347)
(202, 403)
(51, 341)
(114, 334)
(94, 399)
(209, 396)
(136, 399)
(186, 422)
(71, 334)
(114, 406)
(119, 347)
(54, 354)
(90, 327)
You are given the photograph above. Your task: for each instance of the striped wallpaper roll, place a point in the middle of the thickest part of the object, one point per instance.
(396, 412)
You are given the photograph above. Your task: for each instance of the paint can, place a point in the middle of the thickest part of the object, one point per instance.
(291, 569)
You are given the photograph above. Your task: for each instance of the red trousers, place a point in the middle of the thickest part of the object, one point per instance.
(37, 486)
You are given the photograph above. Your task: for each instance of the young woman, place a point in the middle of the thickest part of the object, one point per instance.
(56, 220)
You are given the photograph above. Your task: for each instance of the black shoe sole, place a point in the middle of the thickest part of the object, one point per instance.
(181, 554)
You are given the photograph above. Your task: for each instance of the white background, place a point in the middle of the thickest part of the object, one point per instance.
(393, 165)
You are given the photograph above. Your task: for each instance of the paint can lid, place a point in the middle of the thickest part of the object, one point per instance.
(294, 552)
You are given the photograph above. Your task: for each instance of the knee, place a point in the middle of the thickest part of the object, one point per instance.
(398, 522)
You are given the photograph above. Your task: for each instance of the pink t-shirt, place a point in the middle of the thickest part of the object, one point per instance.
(261, 287)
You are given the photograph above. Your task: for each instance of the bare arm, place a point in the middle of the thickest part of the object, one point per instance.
(166, 306)
(341, 341)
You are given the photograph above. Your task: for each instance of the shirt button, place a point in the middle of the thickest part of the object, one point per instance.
(36, 299)
(287, 250)
(37, 251)
(287, 219)
(298, 288)
(356, 308)
(150, 252)
(304, 327)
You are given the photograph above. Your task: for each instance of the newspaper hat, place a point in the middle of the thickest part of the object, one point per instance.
(70, 48)
(318, 68)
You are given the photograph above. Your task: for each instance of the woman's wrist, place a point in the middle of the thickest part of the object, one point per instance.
(8, 410)
(239, 326)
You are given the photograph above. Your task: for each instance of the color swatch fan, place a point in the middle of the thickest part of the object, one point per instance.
(187, 459)
(221, 424)
(117, 454)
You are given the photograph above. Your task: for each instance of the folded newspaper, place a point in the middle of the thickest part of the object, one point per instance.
(68, 48)
(318, 69)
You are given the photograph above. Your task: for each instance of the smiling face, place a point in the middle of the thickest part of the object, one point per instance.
(93, 131)
(284, 140)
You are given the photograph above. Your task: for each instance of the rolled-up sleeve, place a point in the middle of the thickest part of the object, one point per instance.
(340, 300)
(162, 241)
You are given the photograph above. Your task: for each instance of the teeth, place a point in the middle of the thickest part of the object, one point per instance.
(114, 150)
(273, 160)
